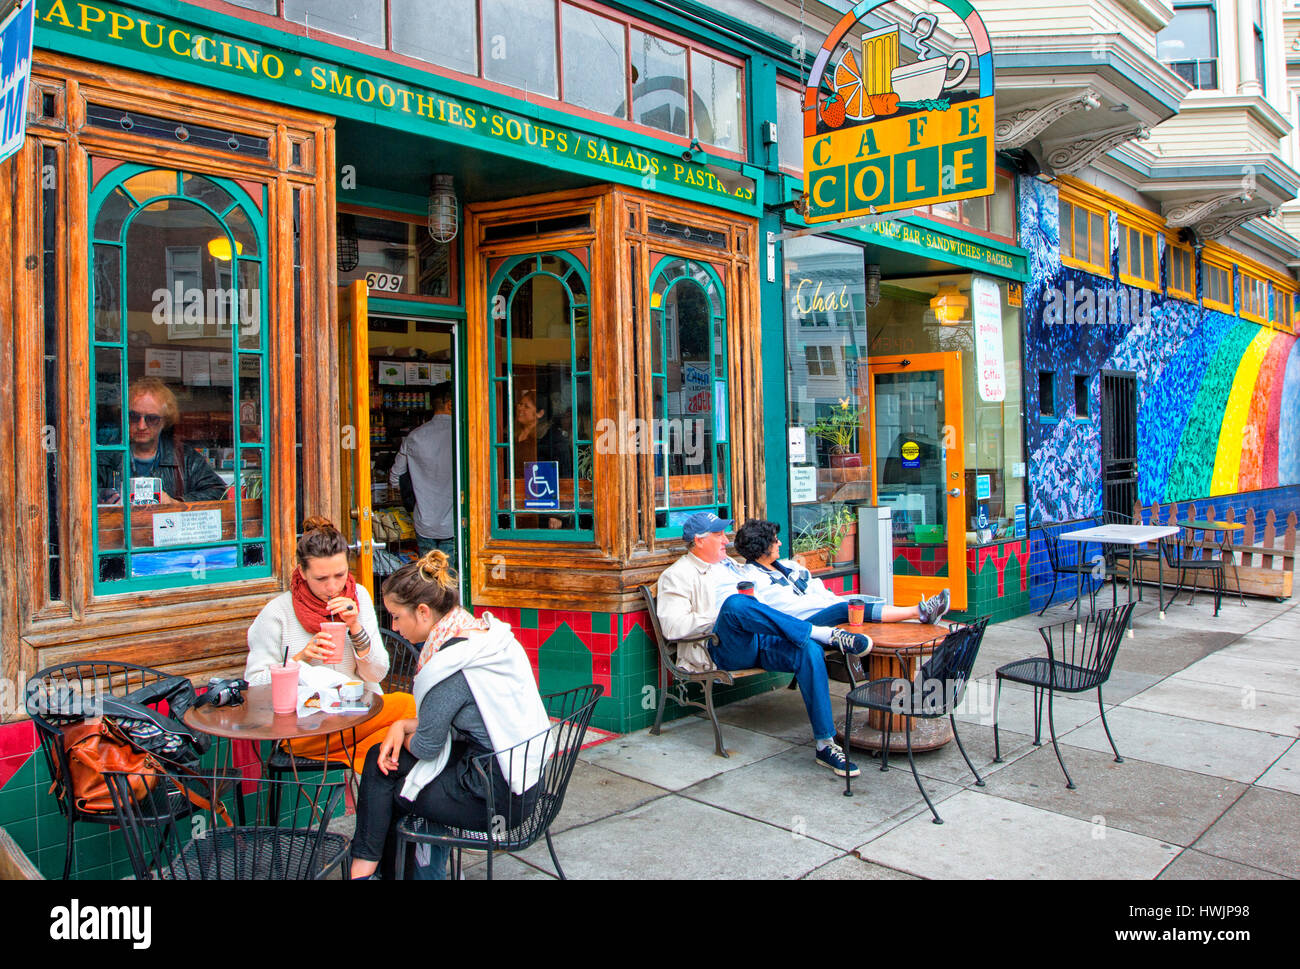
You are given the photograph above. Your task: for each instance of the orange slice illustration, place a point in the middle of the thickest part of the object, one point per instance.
(848, 85)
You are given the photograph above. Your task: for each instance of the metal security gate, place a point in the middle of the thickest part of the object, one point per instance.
(1119, 467)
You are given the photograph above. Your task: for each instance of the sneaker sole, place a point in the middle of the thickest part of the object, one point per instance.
(856, 772)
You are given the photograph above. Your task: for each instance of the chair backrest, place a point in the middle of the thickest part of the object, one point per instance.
(522, 820)
(1085, 654)
(174, 829)
(59, 696)
(403, 657)
(667, 653)
(945, 674)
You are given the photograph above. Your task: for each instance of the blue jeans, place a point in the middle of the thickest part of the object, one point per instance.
(838, 613)
(752, 634)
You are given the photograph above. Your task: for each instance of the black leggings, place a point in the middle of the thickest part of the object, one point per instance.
(456, 797)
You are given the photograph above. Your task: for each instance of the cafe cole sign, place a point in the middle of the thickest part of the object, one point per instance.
(882, 133)
(404, 105)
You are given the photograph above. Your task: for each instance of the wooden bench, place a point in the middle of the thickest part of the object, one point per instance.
(680, 679)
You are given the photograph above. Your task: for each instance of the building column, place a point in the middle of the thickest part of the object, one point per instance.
(1248, 80)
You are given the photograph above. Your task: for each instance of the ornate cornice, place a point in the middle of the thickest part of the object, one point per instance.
(1024, 126)
(1076, 153)
(1221, 225)
(1198, 211)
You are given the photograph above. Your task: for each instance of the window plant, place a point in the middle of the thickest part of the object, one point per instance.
(839, 429)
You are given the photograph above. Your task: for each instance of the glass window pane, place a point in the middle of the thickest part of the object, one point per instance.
(107, 294)
(1122, 254)
(1080, 248)
(1099, 241)
(206, 191)
(251, 485)
(789, 127)
(658, 83)
(108, 223)
(519, 44)
(245, 238)
(152, 183)
(449, 39)
(1148, 258)
(1003, 221)
(1190, 36)
(974, 212)
(595, 62)
(248, 305)
(263, 6)
(361, 20)
(716, 89)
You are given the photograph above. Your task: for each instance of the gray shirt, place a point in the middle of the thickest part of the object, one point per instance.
(449, 704)
(429, 453)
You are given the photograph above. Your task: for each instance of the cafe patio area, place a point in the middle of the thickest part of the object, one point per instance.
(1204, 711)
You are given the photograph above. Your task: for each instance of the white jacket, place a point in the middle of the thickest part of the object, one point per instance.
(691, 593)
(501, 679)
(800, 595)
(277, 628)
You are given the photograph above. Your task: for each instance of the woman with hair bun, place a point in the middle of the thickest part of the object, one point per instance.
(475, 693)
(321, 589)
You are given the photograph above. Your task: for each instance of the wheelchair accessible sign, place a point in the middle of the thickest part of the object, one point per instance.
(542, 485)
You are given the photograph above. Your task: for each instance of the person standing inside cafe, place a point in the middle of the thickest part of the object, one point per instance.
(185, 475)
(321, 589)
(428, 454)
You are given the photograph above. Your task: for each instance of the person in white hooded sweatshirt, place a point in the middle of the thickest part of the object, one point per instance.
(474, 693)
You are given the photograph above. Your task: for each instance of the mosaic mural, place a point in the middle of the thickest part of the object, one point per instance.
(1218, 396)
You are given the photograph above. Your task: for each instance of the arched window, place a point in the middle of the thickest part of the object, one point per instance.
(178, 311)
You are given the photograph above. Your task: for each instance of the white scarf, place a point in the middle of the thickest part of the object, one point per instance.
(501, 679)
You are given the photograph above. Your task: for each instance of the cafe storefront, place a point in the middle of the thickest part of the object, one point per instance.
(222, 236)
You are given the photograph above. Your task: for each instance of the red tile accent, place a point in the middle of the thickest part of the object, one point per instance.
(580, 623)
(9, 766)
(18, 739)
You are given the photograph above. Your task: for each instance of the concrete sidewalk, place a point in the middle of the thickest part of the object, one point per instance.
(1205, 711)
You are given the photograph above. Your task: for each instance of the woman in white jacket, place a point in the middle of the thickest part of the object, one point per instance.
(475, 694)
(322, 589)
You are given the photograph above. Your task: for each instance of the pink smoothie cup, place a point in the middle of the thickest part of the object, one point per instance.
(339, 631)
(284, 688)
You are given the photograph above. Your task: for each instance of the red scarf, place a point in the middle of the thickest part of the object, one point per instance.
(310, 608)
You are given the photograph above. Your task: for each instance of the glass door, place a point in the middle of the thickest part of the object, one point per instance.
(354, 439)
(918, 471)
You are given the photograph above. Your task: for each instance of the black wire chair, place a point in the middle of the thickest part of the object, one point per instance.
(1079, 658)
(175, 832)
(1079, 565)
(1118, 555)
(936, 692)
(1181, 558)
(516, 825)
(62, 696)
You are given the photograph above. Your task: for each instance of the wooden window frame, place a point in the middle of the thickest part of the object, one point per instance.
(453, 266)
(1211, 264)
(1124, 253)
(1071, 199)
(1173, 246)
(1254, 297)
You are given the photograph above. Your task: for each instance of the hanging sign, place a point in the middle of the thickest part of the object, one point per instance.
(15, 77)
(990, 365)
(891, 125)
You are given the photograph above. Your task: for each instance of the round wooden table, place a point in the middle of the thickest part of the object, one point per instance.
(255, 720)
(884, 663)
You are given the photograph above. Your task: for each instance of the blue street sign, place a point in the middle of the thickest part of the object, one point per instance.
(542, 485)
(1022, 521)
(15, 75)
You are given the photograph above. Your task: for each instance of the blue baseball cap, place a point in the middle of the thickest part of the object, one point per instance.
(703, 522)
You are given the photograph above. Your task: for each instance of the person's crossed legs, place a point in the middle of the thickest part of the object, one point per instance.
(753, 634)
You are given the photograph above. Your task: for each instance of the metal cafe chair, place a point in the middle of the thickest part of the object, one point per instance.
(936, 692)
(1079, 658)
(1078, 565)
(62, 696)
(288, 840)
(1181, 558)
(520, 822)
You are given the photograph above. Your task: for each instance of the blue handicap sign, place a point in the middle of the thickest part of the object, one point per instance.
(542, 485)
(15, 76)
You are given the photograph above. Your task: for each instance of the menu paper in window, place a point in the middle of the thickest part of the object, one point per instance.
(164, 364)
(197, 370)
(803, 485)
(186, 527)
(439, 373)
(392, 372)
(220, 369)
(990, 368)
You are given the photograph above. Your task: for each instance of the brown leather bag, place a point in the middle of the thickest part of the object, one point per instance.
(95, 746)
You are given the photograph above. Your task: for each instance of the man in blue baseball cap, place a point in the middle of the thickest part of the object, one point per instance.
(698, 595)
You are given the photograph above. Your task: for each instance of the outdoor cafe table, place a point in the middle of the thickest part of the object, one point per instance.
(883, 662)
(1132, 536)
(1225, 546)
(255, 720)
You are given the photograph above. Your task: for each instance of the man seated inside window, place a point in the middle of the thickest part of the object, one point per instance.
(183, 473)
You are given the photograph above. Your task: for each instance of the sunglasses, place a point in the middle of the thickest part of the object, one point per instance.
(150, 420)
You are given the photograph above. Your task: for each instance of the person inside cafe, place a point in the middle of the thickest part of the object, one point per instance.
(538, 439)
(184, 474)
(792, 589)
(428, 455)
(698, 595)
(475, 694)
(321, 589)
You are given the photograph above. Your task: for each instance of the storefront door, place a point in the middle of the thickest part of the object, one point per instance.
(354, 431)
(919, 471)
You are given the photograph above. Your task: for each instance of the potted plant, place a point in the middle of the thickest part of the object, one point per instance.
(811, 547)
(845, 525)
(839, 429)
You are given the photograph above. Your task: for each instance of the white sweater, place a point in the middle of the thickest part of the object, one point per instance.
(277, 626)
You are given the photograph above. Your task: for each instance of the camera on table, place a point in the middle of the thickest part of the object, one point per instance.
(223, 693)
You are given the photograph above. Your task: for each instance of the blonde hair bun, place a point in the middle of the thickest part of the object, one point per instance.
(435, 566)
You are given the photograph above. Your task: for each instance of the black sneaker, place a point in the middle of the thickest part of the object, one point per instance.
(934, 608)
(832, 756)
(853, 644)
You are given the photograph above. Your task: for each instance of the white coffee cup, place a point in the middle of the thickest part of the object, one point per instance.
(352, 690)
(926, 80)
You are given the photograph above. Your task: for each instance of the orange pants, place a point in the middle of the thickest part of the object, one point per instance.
(396, 706)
